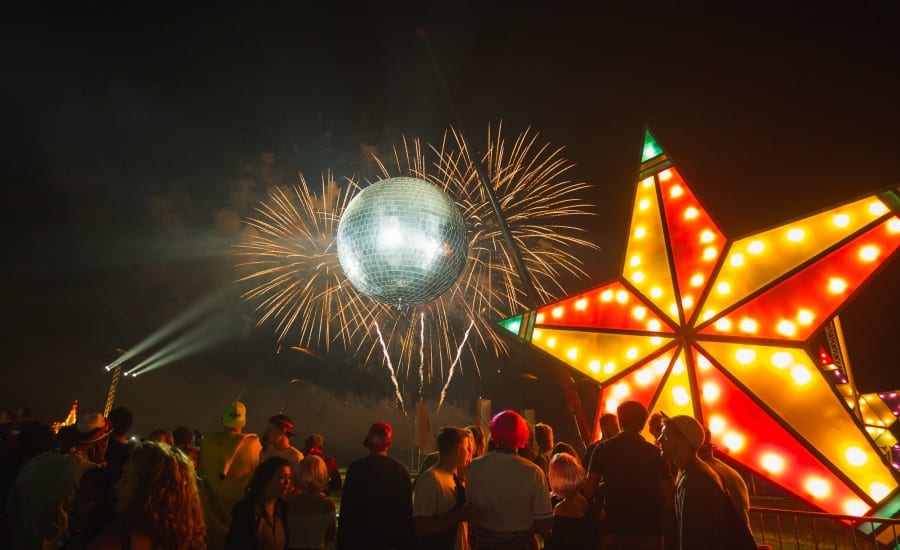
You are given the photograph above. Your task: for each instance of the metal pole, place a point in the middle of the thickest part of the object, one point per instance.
(562, 374)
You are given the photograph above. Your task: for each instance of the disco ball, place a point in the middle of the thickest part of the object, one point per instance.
(402, 241)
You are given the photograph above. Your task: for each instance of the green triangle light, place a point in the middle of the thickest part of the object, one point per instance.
(513, 324)
(651, 148)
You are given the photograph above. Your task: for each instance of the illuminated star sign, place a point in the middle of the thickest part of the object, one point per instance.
(703, 325)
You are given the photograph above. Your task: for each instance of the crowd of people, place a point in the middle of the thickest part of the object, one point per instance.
(90, 487)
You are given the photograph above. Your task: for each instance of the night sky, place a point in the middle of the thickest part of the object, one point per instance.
(138, 141)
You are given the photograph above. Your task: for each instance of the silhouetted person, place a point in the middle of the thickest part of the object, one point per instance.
(734, 484)
(376, 504)
(706, 518)
(636, 481)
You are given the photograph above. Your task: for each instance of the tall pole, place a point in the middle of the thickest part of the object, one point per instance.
(565, 379)
(113, 386)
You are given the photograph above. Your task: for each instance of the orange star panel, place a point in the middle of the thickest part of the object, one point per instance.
(715, 328)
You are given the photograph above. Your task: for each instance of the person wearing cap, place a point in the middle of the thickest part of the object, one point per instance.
(734, 484)
(227, 461)
(636, 483)
(376, 504)
(510, 492)
(42, 494)
(277, 442)
(706, 518)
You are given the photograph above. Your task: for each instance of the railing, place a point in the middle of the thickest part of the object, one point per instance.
(801, 530)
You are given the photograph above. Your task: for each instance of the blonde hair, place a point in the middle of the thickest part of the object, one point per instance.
(312, 475)
(164, 504)
(566, 475)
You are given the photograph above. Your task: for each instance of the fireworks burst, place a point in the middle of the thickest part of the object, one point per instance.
(294, 264)
(301, 287)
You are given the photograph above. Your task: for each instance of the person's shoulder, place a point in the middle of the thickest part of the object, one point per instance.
(242, 507)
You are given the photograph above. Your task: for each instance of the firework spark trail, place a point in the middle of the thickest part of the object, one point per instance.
(422, 357)
(300, 287)
(390, 367)
(453, 366)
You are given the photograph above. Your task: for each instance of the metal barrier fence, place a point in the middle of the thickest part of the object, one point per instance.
(801, 530)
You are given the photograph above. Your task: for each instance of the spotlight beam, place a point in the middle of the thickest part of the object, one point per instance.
(193, 312)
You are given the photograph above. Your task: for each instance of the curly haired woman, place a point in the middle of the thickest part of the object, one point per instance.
(159, 506)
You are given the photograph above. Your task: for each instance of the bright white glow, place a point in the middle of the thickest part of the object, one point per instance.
(748, 325)
(557, 312)
(655, 292)
(687, 302)
(644, 204)
(724, 287)
(716, 425)
(878, 490)
(611, 405)
(869, 253)
(581, 304)
(609, 368)
(756, 247)
(654, 325)
(691, 213)
(817, 487)
(708, 314)
(621, 390)
(606, 295)
(655, 340)
(877, 208)
(536, 334)
(801, 375)
(855, 507)
(894, 225)
(639, 312)
(736, 260)
(710, 253)
(635, 260)
(632, 353)
(680, 396)
(805, 317)
(539, 318)
(782, 359)
(551, 342)
(733, 441)
(644, 377)
(638, 277)
(673, 309)
(796, 235)
(745, 356)
(772, 463)
(678, 367)
(389, 235)
(711, 392)
(594, 365)
(841, 220)
(572, 353)
(723, 324)
(676, 191)
(707, 236)
(836, 285)
(660, 366)
(786, 328)
(640, 232)
(665, 175)
(697, 280)
(622, 297)
(855, 456)
(703, 363)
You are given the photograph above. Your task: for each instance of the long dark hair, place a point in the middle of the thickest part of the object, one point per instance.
(263, 474)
